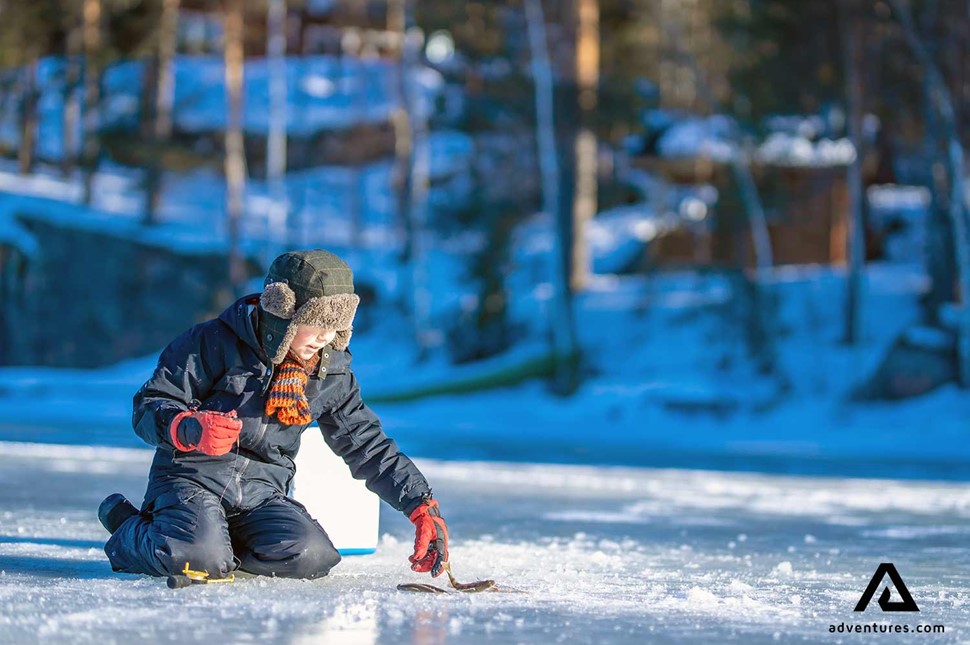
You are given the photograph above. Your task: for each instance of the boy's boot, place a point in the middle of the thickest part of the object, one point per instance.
(114, 510)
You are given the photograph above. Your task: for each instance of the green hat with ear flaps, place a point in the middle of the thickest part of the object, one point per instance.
(306, 288)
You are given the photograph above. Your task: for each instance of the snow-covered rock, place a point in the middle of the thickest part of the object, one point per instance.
(781, 149)
(712, 137)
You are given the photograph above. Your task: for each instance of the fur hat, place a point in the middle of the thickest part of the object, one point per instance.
(306, 288)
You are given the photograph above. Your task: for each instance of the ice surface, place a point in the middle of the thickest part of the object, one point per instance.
(606, 554)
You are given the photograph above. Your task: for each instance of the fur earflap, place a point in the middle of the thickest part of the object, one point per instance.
(330, 312)
(278, 299)
(342, 339)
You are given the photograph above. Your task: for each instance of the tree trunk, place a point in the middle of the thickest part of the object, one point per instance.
(411, 177)
(420, 180)
(855, 240)
(756, 297)
(146, 100)
(584, 198)
(940, 251)
(740, 169)
(235, 153)
(403, 144)
(71, 110)
(164, 98)
(165, 94)
(276, 153)
(92, 93)
(28, 118)
(562, 331)
(939, 94)
(403, 175)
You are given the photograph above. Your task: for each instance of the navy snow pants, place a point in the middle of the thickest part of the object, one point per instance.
(188, 523)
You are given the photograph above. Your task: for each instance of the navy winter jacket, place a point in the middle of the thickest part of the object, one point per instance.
(220, 365)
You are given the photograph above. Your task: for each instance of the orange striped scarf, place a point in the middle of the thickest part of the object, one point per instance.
(286, 395)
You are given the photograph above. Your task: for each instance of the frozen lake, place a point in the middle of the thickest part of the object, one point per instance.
(606, 554)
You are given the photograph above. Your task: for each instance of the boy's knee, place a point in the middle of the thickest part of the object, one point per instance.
(314, 560)
(313, 564)
(319, 560)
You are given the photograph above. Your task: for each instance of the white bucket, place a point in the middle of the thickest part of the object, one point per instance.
(347, 511)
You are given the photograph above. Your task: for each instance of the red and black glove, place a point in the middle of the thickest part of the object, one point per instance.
(207, 431)
(430, 539)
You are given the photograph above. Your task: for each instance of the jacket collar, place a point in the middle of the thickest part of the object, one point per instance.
(242, 318)
(333, 361)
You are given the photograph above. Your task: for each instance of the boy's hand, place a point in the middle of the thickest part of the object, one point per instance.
(430, 539)
(207, 431)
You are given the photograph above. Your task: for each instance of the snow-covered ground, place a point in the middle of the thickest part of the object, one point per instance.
(322, 93)
(666, 383)
(605, 554)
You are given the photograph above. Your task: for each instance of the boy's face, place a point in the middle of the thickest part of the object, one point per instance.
(309, 340)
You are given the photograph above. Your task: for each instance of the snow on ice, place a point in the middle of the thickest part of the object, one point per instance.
(605, 554)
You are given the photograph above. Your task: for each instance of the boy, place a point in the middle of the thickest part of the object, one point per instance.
(225, 409)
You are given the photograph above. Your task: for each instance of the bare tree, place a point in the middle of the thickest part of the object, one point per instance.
(755, 294)
(163, 105)
(855, 240)
(276, 140)
(940, 99)
(740, 165)
(403, 143)
(92, 92)
(420, 184)
(352, 44)
(562, 330)
(165, 95)
(71, 112)
(235, 152)
(28, 116)
(412, 172)
(584, 197)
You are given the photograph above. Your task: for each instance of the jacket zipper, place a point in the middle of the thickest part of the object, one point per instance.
(258, 438)
(259, 435)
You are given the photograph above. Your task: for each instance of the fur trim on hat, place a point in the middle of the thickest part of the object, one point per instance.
(330, 312)
(278, 299)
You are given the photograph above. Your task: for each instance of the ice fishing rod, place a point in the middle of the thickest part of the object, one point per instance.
(464, 587)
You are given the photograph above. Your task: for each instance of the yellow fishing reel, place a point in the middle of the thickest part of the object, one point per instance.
(192, 577)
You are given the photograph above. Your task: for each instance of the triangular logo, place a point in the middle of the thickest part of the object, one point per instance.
(906, 604)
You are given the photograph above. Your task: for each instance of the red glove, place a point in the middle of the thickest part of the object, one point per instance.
(211, 432)
(430, 539)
